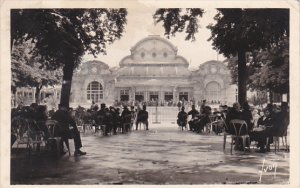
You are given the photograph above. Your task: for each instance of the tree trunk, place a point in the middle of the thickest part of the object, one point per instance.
(37, 94)
(270, 97)
(242, 77)
(14, 96)
(66, 85)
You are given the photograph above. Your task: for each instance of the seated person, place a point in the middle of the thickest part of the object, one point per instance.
(142, 117)
(195, 116)
(204, 119)
(233, 113)
(247, 116)
(65, 120)
(218, 124)
(103, 118)
(260, 135)
(124, 117)
(182, 118)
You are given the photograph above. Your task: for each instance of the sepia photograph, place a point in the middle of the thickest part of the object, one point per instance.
(149, 93)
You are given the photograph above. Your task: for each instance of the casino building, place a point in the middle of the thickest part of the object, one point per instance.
(153, 71)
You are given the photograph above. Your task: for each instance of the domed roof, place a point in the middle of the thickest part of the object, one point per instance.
(154, 41)
(93, 67)
(212, 67)
(153, 50)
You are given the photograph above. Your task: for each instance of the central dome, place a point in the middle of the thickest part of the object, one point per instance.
(153, 50)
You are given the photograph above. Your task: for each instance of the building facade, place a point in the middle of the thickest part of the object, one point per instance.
(153, 71)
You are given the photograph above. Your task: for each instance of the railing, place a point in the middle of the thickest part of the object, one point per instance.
(162, 114)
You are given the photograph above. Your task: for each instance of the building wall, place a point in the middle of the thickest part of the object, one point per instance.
(153, 65)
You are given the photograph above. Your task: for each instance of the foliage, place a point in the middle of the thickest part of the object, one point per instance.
(27, 71)
(248, 29)
(238, 31)
(176, 20)
(62, 36)
(235, 33)
(267, 70)
(272, 69)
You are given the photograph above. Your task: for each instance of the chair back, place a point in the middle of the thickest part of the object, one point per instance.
(239, 127)
(52, 127)
(127, 119)
(19, 126)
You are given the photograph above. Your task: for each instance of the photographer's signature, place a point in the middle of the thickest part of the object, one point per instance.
(267, 169)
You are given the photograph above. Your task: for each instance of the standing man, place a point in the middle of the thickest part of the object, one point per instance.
(142, 117)
(182, 118)
(194, 114)
(125, 114)
(65, 120)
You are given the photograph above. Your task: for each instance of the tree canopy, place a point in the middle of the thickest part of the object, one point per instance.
(271, 69)
(27, 71)
(62, 36)
(267, 70)
(177, 20)
(248, 29)
(236, 32)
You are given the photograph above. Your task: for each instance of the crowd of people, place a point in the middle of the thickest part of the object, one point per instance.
(108, 119)
(262, 124)
(36, 116)
(112, 117)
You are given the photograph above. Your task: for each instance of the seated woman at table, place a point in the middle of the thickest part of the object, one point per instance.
(263, 131)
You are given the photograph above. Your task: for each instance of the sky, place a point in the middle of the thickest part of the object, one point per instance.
(140, 24)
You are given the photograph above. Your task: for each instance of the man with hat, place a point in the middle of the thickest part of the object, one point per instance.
(124, 117)
(142, 117)
(182, 118)
(194, 113)
(65, 120)
(103, 118)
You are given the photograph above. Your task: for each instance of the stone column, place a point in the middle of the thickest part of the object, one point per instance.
(175, 94)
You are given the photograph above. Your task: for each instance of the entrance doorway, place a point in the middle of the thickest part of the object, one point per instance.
(153, 95)
(139, 96)
(184, 96)
(168, 96)
(124, 95)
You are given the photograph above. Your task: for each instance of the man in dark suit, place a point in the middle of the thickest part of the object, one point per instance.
(182, 118)
(194, 113)
(142, 117)
(65, 120)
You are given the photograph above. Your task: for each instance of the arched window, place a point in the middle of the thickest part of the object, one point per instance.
(213, 91)
(94, 91)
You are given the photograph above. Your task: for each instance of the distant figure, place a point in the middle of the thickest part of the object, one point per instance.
(179, 105)
(125, 114)
(133, 115)
(93, 105)
(202, 106)
(194, 113)
(182, 118)
(142, 117)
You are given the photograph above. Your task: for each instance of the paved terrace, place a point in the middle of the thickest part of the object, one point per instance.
(162, 155)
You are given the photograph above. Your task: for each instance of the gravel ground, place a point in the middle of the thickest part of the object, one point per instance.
(162, 155)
